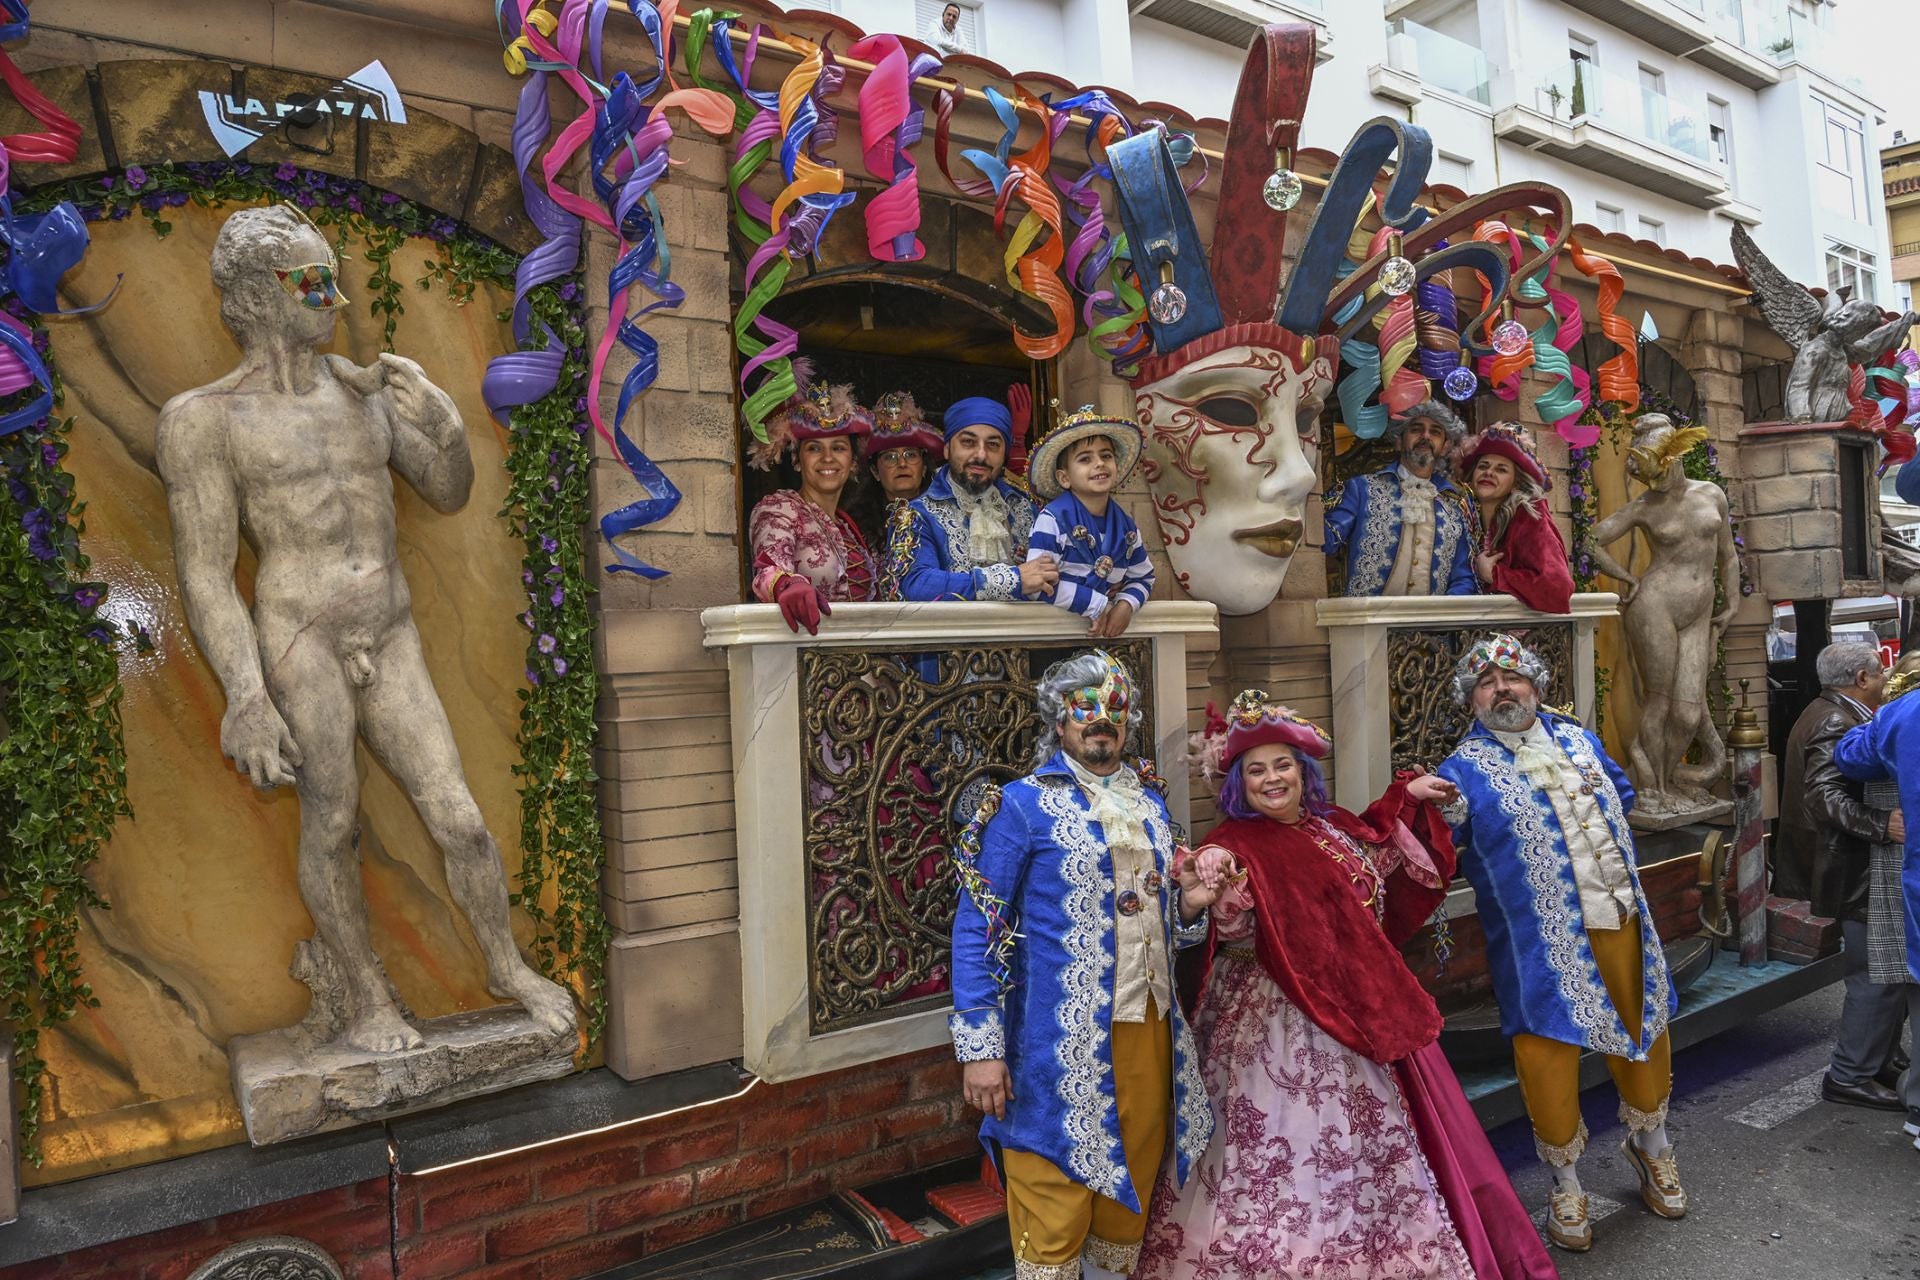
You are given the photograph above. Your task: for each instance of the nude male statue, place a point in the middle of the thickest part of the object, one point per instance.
(1671, 627)
(296, 445)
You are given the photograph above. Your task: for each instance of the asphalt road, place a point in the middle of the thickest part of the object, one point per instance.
(1782, 1186)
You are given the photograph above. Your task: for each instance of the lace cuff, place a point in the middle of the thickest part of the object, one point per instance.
(998, 582)
(1454, 811)
(978, 1035)
(1187, 933)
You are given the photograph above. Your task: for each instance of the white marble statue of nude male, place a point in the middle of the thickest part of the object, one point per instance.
(295, 445)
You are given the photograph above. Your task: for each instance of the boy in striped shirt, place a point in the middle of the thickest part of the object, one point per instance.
(1104, 571)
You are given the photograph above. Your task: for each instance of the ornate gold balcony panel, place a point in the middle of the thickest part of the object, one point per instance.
(856, 754)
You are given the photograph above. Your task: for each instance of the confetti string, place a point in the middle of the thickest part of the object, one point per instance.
(1001, 934)
(1618, 377)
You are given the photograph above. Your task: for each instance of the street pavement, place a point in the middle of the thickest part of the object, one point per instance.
(1782, 1185)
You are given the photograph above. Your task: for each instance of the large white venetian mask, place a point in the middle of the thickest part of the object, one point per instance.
(1232, 423)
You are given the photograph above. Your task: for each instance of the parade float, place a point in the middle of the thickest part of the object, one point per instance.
(605, 232)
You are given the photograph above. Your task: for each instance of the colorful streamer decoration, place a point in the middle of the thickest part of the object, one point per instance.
(1037, 249)
(1001, 931)
(1402, 384)
(890, 123)
(1618, 377)
(1562, 403)
(42, 248)
(628, 140)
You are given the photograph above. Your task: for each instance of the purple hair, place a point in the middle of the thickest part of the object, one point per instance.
(1232, 796)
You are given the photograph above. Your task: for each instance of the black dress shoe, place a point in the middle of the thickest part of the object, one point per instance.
(1871, 1094)
(1889, 1075)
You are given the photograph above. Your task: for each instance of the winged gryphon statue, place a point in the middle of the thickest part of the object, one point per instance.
(1825, 339)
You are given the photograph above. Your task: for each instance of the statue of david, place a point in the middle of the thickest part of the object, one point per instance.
(296, 445)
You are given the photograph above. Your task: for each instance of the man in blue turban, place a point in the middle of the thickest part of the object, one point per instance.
(965, 538)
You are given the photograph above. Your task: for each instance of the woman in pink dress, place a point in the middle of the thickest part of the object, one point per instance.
(1344, 1148)
(807, 549)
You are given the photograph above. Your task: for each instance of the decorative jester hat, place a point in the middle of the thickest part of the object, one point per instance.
(1196, 308)
(1503, 651)
(814, 412)
(1253, 720)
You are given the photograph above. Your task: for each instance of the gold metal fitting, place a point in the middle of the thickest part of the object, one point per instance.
(1746, 733)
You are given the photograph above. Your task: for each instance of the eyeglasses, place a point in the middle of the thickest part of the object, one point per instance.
(893, 456)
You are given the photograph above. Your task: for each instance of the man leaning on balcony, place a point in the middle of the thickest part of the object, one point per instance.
(966, 536)
(1404, 529)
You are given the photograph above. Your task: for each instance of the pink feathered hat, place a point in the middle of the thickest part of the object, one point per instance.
(1253, 720)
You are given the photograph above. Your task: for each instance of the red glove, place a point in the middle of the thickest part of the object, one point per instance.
(1020, 408)
(801, 603)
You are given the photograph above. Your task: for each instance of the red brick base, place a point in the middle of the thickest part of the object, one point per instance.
(574, 1208)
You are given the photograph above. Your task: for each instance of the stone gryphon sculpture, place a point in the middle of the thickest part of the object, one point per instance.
(1672, 628)
(1826, 340)
(296, 445)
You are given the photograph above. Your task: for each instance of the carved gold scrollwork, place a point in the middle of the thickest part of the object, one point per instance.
(1427, 722)
(897, 748)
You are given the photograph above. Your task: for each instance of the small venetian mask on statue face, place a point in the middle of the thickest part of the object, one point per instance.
(1232, 422)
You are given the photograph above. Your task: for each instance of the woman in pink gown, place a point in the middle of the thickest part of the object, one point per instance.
(1344, 1148)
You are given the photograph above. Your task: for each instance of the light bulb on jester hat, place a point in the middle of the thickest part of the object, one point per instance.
(1230, 399)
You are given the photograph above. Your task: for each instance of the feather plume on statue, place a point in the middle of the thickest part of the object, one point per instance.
(1827, 340)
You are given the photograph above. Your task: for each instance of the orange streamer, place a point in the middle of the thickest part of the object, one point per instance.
(1618, 379)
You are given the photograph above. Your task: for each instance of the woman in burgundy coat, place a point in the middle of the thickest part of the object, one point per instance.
(1343, 1144)
(1518, 550)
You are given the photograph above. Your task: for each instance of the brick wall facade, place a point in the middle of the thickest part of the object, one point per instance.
(577, 1207)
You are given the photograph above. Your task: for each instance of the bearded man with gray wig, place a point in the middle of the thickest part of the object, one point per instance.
(1541, 829)
(1404, 529)
(1065, 1020)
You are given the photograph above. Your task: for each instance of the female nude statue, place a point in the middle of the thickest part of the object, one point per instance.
(1672, 630)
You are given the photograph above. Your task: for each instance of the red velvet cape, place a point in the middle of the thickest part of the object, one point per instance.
(1535, 571)
(1319, 941)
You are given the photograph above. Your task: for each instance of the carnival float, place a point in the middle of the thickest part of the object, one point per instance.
(680, 874)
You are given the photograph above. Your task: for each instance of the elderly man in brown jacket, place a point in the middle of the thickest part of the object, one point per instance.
(1827, 831)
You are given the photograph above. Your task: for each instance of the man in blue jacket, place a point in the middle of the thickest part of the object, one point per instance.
(1065, 1015)
(965, 538)
(1404, 530)
(1887, 749)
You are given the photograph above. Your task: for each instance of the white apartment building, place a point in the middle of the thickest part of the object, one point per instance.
(1669, 120)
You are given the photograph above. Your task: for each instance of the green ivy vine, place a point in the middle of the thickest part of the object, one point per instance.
(62, 758)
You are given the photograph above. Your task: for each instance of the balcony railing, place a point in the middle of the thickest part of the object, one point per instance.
(1579, 91)
(1902, 250)
(857, 754)
(1441, 61)
(1392, 661)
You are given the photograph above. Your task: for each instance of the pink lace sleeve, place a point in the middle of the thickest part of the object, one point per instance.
(774, 534)
(1233, 916)
(1405, 853)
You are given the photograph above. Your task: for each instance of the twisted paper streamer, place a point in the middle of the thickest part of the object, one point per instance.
(632, 138)
(1436, 325)
(39, 249)
(1618, 377)
(889, 124)
(1037, 247)
(1360, 357)
(1402, 384)
(1562, 403)
(1503, 372)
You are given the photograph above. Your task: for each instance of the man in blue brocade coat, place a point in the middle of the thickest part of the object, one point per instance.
(1065, 1014)
(1404, 530)
(965, 537)
(1541, 828)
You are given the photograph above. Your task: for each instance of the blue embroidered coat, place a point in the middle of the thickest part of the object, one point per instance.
(1047, 860)
(1365, 522)
(927, 555)
(1888, 746)
(1513, 852)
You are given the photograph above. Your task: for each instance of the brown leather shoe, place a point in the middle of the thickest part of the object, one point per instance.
(1659, 1180)
(1568, 1225)
(1870, 1094)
